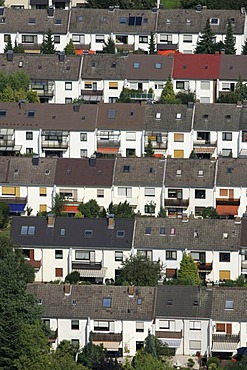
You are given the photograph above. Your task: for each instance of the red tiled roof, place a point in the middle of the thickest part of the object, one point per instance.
(196, 66)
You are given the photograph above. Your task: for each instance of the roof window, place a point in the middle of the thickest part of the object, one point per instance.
(31, 20)
(88, 232)
(126, 168)
(106, 302)
(120, 234)
(179, 173)
(62, 232)
(139, 301)
(136, 65)
(31, 113)
(214, 21)
(229, 304)
(178, 115)
(123, 20)
(172, 231)
(58, 21)
(148, 230)
(158, 65)
(3, 113)
(200, 173)
(111, 114)
(162, 231)
(169, 302)
(80, 18)
(158, 115)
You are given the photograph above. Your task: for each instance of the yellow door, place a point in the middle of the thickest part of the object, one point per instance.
(225, 275)
(178, 154)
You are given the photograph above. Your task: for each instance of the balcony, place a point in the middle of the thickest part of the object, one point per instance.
(108, 143)
(55, 144)
(86, 265)
(169, 334)
(176, 202)
(35, 263)
(205, 143)
(8, 142)
(244, 265)
(107, 337)
(142, 96)
(226, 338)
(161, 144)
(205, 267)
(91, 95)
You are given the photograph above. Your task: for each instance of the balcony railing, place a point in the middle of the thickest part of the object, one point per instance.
(205, 266)
(169, 334)
(142, 96)
(108, 143)
(86, 265)
(176, 202)
(228, 338)
(107, 337)
(7, 142)
(55, 144)
(244, 264)
(205, 143)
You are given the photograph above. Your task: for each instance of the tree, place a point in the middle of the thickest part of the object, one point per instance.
(151, 45)
(4, 214)
(206, 45)
(110, 47)
(91, 209)
(8, 45)
(19, 311)
(162, 212)
(149, 152)
(70, 48)
(48, 45)
(91, 354)
(149, 344)
(139, 270)
(58, 205)
(18, 49)
(145, 361)
(167, 94)
(188, 274)
(185, 97)
(15, 87)
(121, 210)
(229, 39)
(73, 277)
(210, 212)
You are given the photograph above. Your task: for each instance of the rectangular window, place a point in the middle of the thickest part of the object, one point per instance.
(29, 39)
(6, 37)
(59, 272)
(42, 192)
(148, 230)
(147, 254)
(195, 325)
(58, 254)
(171, 255)
(113, 85)
(149, 192)
(225, 257)
(83, 153)
(162, 231)
(195, 345)
(179, 138)
(164, 324)
(78, 39)
(143, 39)
(74, 324)
(140, 327)
(130, 136)
(8, 190)
(100, 193)
(118, 256)
(43, 208)
(27, 230)
(29, 135)
(82, 255)
(56, 39)
(103, 325)
(75, 343)
(125, 192)
(175, 193)
(68, 100)
(223, 192)
(29, 150)
(100, 39)
(205, 85)
(187, 38)
(166, 38)
(220, 327)
(106, 303)
(200, 194)
(227, 136)
(68, 85)
(83, 136)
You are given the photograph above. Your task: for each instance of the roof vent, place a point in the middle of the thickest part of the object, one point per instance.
(199, 8)
(67, 289)
(111, 221)
(92, 161)
(35, 160)
(76, 107)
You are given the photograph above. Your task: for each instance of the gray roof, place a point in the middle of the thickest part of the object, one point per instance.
(190, 176)
(49, 116)
(22, 171)
(142, 172)
(89, 300)
(190, 21)
(231, 66)
(151, 67)
(106, 22)
(45, 236)
(174, 301)
(210, 234)
(232, 172)
(45, 67)
(217, 117)
(121, 116)
(239, 297)
(79, 172)
(244, 232)
(104, 66)
(168, 120)
(243, 117)
(18, 20)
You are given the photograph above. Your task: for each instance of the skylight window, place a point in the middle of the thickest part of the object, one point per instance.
(172, 231)
(148, 230)
(158, 115)
(47, 172)
(62, 232)
(58, 21)
(80, 18)
(178, 172)
(88, 232)
(158, 65)
(3, 113)
(178, 115)
(139, 301)
(162, 231)
(24, 230)
(32, 20)
(74, 302)
(123, 20)
(111, 113)
(126, 168)
(229, 304)
(31, 113)
(120, 234)
(106, 302)
(200, 173)
(136, 65)
(214, 21)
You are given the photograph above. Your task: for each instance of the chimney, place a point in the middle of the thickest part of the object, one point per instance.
(190, 105)
(35, 160)
(50, 11)
(111, 221)
(10, 55)
(67, 289)
(61, 56)
(76, 107)
(131, 290)
(92, 161)
(50, 220)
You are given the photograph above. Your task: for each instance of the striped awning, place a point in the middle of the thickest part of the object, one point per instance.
(204, 150)
(224, 347)
(171, 343)
(110, 346)
(92, 273)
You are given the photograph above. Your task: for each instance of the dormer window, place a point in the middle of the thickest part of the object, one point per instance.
(3, 113)
(88, 232)
(120, 234)
(225, 235)
(58, 21)
(200, 173)
(31, 113)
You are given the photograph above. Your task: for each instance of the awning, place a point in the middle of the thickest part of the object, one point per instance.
(110, 346)
(171, 343)
(227, 210)
(224, 347)
(39, 2)
(92, 273)
(107, 150)
(204, 150)
(73, 208)
(243, 153)
(17, 208)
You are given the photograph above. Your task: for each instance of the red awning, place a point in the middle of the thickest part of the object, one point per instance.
(70, 208)
(227, 210)
(107, 150)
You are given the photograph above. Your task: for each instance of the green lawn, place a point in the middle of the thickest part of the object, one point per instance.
(169, 4)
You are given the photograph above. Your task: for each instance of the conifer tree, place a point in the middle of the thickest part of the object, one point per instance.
(48, 45)
(149, 151)
(70, 48)
(168, 95)
(151, 46)
(229, 40)
(8, 45)
(109, 47)
(206, 45)
(188, 273)
(18, 49)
